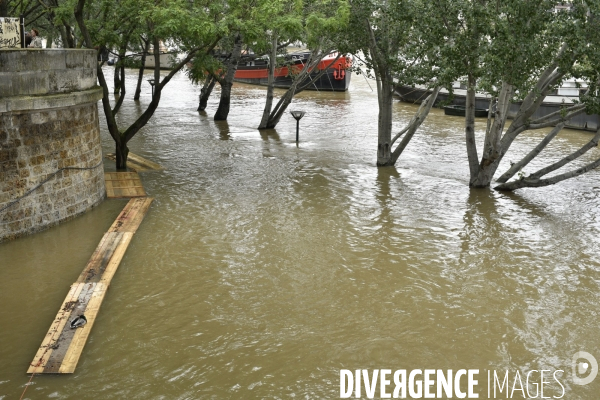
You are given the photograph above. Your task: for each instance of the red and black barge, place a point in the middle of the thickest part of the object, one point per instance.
(336, 77)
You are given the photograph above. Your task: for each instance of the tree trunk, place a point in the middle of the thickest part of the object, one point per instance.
(516, 167)
(281, 106)
(414, 124)
(385, 99)
(121, 152)
(227, 82)
(271, 85)
(49, 39)
(3, 8)
(117, 77)
(492, 148)
(67, 36)
(122, 72)
(138, 88)
(302, 80)
(470, 131)
(121, 90)
(124, 137)
(207, 88)
(70, 37)
(385, 89)
(63, 36)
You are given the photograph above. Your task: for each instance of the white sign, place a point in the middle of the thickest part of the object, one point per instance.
(10, 35)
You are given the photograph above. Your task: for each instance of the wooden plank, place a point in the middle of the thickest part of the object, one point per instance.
(116, 176)
(124, 193)
(132, 215)
(121, 176)
(137, 218)
(80, 335)
(138, 163)
(123, 184)
(66, 336)
(144, 162)
(116, 258)
(62, 346)
(49, 342)
(129, 211)
(95, 267)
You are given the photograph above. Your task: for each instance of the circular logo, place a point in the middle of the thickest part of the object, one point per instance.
(582, 367)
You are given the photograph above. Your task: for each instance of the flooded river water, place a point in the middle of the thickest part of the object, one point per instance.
(263, 267)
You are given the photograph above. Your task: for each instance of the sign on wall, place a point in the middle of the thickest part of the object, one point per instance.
(10, 35)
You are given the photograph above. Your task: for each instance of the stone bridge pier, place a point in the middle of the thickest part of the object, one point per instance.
(49, 138)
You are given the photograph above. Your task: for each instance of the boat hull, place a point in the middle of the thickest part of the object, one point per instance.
(335, 79)
(417, 95)
(460, 111)
(326, 82)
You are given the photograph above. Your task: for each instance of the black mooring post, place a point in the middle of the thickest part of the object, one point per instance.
(22, 29)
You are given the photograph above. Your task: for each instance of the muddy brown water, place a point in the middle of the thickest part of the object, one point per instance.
(265, 267)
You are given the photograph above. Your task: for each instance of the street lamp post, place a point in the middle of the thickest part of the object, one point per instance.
(151, 82)
(297, 115)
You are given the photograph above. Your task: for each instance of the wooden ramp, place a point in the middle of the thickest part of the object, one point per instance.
(62, 346)
(123, 184)
(137, 163)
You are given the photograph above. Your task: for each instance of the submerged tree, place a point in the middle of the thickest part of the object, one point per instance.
(514, 50)
(203, 68)
(303, 78)
(400, 47)
(316, 23)
(581, 44)
(194, 27)
(221, 66)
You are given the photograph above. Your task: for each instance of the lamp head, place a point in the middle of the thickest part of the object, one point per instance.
(297, 114)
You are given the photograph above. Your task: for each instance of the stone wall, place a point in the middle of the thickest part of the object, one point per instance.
(48, 122)
(46, 71)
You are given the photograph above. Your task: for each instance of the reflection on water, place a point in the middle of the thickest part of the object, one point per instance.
(265, 267)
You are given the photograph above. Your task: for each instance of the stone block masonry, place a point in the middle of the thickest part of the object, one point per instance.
(44, 71)
(48, 121)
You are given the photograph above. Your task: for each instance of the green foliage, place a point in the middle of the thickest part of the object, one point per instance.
(442, 41)
(396, 37)
(319, 24)
(202, 65)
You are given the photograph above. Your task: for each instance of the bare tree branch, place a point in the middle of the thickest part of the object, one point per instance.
(415, 123)
(529, 182)
(553, 167)
(516, 167)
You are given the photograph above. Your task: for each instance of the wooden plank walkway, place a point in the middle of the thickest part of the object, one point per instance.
(123, 184)
(137, 163)
(62, 346)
